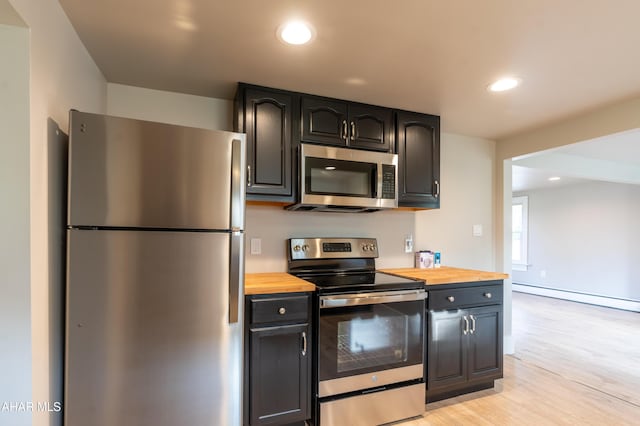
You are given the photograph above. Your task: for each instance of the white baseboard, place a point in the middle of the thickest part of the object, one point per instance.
(609, 302)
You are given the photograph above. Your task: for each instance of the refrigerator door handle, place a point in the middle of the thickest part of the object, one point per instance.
(236, 275)
(238, 183)
(236, 267)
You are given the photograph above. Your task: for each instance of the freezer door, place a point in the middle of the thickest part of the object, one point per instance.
(148, 341)
(133, 173)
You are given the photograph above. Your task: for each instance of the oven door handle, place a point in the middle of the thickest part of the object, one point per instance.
(356, 299)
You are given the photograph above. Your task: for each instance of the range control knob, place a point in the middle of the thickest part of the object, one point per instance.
(305, 248)
(365, 247)
(296, 248)
(372, 247)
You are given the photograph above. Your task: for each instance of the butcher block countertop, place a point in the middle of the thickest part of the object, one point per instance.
(274, 282)
(446, 275)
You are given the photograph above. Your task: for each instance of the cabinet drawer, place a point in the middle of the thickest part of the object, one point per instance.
(470, 296)
(279, 309)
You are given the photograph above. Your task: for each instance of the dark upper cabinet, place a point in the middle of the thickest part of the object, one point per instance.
(418, 148)
(371, 127)
(276, 121)
(268, 118)
(324, 121)
(346, 124)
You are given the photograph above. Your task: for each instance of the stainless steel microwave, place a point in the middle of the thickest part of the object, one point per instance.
(341, 179)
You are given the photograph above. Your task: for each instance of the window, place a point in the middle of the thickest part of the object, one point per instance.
(519, 231)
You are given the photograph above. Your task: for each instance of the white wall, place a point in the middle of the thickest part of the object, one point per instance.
(274, 225)
(169, 107)
(585, 237)
(15, 311)
(62, 76)
(467, 186)
(616, 118)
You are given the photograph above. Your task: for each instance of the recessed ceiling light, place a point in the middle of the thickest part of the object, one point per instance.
(503, 84)
(296, 32)
(554, 178)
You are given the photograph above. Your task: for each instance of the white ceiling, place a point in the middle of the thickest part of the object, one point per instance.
(614, 158)
(423, 55)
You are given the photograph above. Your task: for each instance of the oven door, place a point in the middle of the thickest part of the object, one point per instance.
(347, 177)
(370, 340)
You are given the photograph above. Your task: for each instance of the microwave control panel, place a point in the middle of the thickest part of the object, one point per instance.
(388, 181)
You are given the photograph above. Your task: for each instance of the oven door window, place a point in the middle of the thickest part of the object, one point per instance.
(362, 339)
(324, 176)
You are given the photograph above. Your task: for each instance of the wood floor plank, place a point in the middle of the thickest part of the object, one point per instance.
(575, 364)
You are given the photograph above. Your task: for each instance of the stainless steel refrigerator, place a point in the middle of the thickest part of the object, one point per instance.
(154, 274)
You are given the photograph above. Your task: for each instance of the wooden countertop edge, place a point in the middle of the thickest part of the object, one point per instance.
(447, 275)
(281, 282)
(275, 282)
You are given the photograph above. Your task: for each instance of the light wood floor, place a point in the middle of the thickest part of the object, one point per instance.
(575, 364)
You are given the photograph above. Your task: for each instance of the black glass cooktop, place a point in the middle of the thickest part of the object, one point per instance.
(360, 282)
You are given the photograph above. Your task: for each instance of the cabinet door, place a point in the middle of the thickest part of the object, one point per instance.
(268, 124)
(485, 342)
(324, 121)
(418, 147)
(446, 353)
(280, 374)
(370, 127)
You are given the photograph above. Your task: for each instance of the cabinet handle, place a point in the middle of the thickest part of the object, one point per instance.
(487, 295)
(304, 343)
(473, 324)
(451, 299)
(282, 311)
(437, 189)
(353, 131)
(249, 176)
(465, 330)
(344, 130)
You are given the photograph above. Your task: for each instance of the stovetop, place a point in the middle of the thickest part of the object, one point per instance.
(342, 265)
(358, 282)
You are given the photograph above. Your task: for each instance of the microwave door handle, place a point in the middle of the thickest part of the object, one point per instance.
(378, 193)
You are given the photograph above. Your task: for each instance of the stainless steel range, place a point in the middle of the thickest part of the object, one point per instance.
(369, 333)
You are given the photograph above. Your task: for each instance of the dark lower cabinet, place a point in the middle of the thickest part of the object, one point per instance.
(268, 117)
(277, 360)
(464, 350)
(418, 149)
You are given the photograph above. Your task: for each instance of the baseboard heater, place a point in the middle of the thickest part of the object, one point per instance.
(574, 296)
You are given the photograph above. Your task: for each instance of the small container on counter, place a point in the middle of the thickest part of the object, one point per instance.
(424, 259)
(436, 259)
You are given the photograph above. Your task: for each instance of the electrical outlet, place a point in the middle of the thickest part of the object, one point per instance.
(408, 244)
(256, 246)
(477, 230)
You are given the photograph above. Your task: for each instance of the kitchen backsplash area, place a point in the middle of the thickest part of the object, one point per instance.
(273, 225)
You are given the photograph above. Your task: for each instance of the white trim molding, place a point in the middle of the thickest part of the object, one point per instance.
(592, 299)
